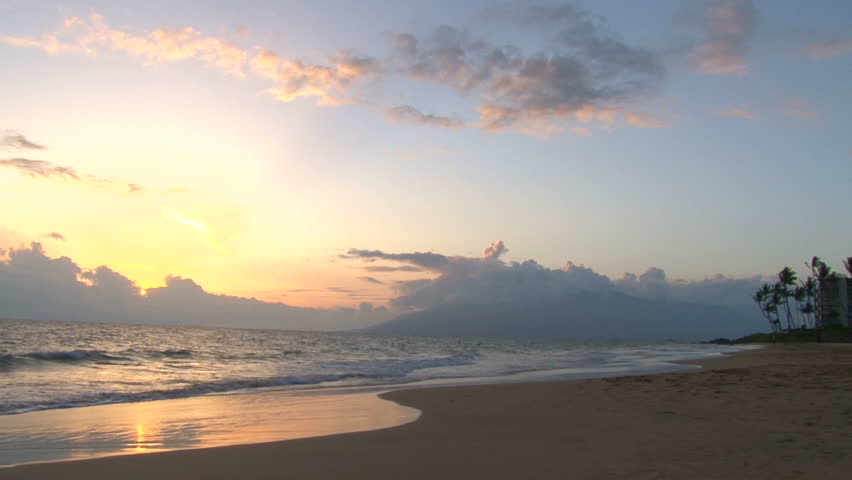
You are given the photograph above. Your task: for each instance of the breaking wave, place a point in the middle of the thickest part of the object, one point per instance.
(348, 373)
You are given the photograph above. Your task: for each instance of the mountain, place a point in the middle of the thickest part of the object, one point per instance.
(581, 316)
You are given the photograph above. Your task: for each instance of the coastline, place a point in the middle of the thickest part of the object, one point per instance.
(776, 412)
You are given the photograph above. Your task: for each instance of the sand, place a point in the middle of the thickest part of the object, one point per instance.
(776, 413)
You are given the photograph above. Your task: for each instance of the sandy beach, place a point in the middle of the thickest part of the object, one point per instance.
(775, 413)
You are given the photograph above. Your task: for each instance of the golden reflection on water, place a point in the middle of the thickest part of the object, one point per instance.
(145, 445)
(197, 422)
(140, 437)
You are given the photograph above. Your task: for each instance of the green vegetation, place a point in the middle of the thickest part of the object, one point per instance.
(833, 333)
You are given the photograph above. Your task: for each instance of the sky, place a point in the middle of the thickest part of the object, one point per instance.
(260, 148)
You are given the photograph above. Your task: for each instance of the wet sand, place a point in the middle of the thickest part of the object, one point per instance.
(776, 413)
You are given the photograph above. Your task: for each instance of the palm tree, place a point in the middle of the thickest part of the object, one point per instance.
(766, 299)
(809, 286)
(759, 298)
(772, 307)
(808, 309)
(799, 297)
(823, 274)
(786, 279)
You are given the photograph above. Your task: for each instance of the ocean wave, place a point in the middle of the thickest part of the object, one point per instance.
(71, 357)
(393, 367)
(366, 372)
(173, 353)
(104, 398)
(12, 360)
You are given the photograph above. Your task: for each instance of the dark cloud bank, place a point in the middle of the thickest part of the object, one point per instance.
(489, 297)
(463, 296)
(35, 286)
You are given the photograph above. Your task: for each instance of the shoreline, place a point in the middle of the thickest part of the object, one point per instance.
(744, 415)
(250, 417)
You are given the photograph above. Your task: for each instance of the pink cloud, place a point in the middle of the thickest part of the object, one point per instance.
(800, 108)
(737, 113)
(728, 28)
(830, 48)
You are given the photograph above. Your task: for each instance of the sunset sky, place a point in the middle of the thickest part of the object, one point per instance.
(250, 145)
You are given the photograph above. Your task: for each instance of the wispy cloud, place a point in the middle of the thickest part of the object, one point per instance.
(388, 268)
(55, 236)
(800, 108)
(578, 65)
(409, 114)
(427, 260)
(45, 169)
(728, 28)
(371, 280)
(329, 83)
(737, 113)
(94, 36)
(829, 48)
(17, 140)
(641, 120)
(39, 168)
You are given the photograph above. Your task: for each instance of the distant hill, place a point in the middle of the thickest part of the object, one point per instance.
(581, 316)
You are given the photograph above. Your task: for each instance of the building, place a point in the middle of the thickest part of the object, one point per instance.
(835, 298)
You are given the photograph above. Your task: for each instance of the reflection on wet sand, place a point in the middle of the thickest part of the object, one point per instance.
(197, 422)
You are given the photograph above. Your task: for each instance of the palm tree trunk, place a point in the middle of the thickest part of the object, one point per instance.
(789, 315)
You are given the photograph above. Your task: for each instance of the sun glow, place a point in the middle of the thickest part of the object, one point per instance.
(175, 216)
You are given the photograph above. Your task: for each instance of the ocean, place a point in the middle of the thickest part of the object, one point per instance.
(51, 372)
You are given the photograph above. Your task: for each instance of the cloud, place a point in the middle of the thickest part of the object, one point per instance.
(582, 65)
(36, 286)
(55, 236)
(489, 279)
(487, 293)
(409, 114)
(371, 280)
(715, 290)
(18, 141)
(39, 168)
(493, 251)
(728, 28)
(641, 120)
(799, 108)
(737, 113)
(169, 46)
(829, 48)
(387, 268)
(427, 260)
(45, 169)
(295, 78)
(486, 279)
(48, 42)
(489, 297)
(94, 36)
(576, 64)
